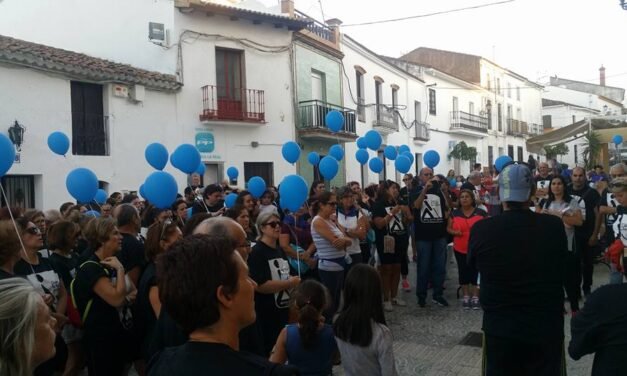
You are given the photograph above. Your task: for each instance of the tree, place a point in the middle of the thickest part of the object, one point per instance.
(553, 151)
(591, 152)
(463, 152)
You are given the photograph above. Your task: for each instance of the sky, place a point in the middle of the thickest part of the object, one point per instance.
(534, 38)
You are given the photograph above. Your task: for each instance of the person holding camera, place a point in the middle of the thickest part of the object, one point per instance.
(430, 221)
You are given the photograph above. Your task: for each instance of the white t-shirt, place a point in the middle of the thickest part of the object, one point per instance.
(564, 207)
(374, 359)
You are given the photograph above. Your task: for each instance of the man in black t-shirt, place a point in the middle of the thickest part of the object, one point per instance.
(543, 181)
(520, 255)
(132, 253)
(586, 235)
(430, 220)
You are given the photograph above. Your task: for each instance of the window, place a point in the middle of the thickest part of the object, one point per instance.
(383, 174)
(229, 74)
(499, 116)
(490, 156)
(546, 121)
(509, 90)
(574, 121)
(89, 125)
(471, 108)
(489, 114)
(510, 151)
(501, 151)
(489, 83)
(576, 155)
(20, 190)
(520, 154)
(498, 86)
(378, 97)
(432, 109)
(318, 86)
(418, 159)
(361, 110)
(518, 93)
(421, 131)
(264, 170)
(395, 103)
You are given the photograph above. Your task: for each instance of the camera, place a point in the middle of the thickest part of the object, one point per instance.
(435, 184)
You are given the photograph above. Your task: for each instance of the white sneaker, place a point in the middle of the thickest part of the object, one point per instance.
(399, 302)
(387, 306)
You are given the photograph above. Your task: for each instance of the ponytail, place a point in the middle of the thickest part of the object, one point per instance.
(311, 299)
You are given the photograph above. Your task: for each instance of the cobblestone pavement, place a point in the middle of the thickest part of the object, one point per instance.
(426, 340)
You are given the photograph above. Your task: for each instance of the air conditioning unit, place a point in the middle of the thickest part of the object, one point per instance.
(137, 93)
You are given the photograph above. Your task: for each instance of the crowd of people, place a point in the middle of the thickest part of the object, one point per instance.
(256, 289)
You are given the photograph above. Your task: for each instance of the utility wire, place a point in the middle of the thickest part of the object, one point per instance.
(428, 14)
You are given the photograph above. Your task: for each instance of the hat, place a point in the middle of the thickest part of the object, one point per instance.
(515, 183)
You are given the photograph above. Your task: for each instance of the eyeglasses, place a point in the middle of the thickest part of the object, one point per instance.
(273, 224)
(33, 230)
(332, 203)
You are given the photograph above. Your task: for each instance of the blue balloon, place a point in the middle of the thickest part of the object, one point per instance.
(200, 170)
(293, 191)
(232, 173)
(501, 161)
(617, 140)
(328, 167)
(230, 199)
(142, 192)
(256, 186)
(362, 156)
(336, 152)
(59, 143)
(161, 189)
(313, 158)
(373, 140)
(402, 164)
(431, 158)
(101, 196)
(404, 149)
(376, 165)
(186, 158)
(334, 120)
(156, 155)
(409, 156)
(7, 154)
(92, 213)
(290, 151)
(82, 184)
(390, 152)
(361, 143)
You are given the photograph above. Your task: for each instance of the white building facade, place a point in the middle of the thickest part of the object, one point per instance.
(223, 82)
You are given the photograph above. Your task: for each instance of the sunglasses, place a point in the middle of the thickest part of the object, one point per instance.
(273, 224)
(33, 230)
(332, 203)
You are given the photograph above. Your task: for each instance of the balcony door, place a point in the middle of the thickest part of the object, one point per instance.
(230, 83)
(317, 86)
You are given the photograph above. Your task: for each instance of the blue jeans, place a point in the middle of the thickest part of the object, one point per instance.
(431, 266)
(616, 276)
(334, 282)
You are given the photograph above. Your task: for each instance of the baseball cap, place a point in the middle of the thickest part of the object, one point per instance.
(515, 183)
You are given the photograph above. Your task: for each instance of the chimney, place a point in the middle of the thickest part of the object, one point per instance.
(602, 75)
(287, 7)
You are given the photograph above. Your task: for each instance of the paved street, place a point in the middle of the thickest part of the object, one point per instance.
(427, 339)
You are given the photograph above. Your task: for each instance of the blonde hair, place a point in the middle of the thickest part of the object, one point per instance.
(98, 231)
(618, 185)
(18, 317)
(262, 219)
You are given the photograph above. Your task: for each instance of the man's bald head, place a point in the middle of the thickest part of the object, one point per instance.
(426, 174)
(228, 227)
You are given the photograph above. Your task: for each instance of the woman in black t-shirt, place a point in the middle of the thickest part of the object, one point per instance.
(159, 238)
(41, 274)
(102, 293)
(62, 237)
(390, 222)
(270, 269)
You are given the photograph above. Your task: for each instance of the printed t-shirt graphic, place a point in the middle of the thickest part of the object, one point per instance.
(396, 225)
(431, 209)
(279, 269)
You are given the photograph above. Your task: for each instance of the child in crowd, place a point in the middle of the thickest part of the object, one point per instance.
(309, 344)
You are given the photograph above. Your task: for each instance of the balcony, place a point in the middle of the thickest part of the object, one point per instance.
(521, 128)
(422, 132)
(311, 121)
(319, 34)
(236, 105)
(386, 119)
(468, 124)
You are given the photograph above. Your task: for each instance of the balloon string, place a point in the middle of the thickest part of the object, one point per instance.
(293, 232)
(92, 210)
(17, 231)
(202, 199)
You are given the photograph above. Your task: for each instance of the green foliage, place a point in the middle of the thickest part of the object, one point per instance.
(553, 151)
(593, 147)
(463, 152)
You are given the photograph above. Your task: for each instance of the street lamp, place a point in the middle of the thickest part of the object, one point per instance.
(16, 134)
